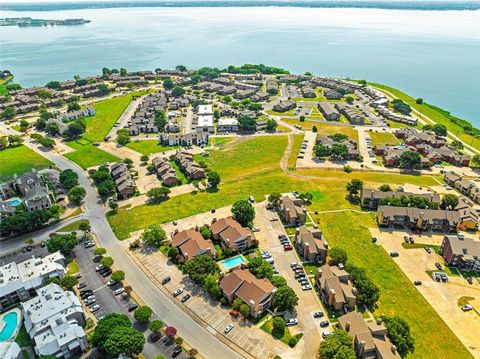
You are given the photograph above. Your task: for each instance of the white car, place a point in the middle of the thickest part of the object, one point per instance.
(228, 328)
(94, 308)
(306, 287)
(466, 307)
(119, 291)
(111, 282)
(293, 264)
(99, 267)
(256, 229)
(291, 321)
(265, 255)
(273, 219)
(178, 292)
(326, 333)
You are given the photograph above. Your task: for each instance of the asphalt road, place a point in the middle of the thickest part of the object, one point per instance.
(192, 332)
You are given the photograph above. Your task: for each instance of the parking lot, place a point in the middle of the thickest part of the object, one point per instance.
(110, 303)
(308, 302)
(244, 335)
(443, 297)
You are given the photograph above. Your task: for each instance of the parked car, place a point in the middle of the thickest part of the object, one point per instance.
(466, 307)
(177, 292)
(417, 282)
(234, 313)
(438, 265)
(324, 324)
(281, 236)
(119, 291)
(185, 298)
(86, 294)
(90, 301)
(256, 229)
(166, 280)
(318, 314)
(427, 249)
(88, 244)
(469, 280)
(293, 264)
(94, 308)
(132, 307)
(394, 254)
(287, 247)
(306, 287)
(326, 333)
(106, 273)
(81, 285)
(111, 282)
(273, 219)
(228, 328)
(291, 321)
(176, 352)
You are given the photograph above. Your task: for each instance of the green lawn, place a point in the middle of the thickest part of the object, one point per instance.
(297, 144)
(23, 339)
(108, 112)
(305, 125)
(383, 138)
(398, 295)
(147, 147)
(74, 226)
(432, 113)
(19, 160)
(87, 155)
(268, 326)
(181, 176)
(326, 129)
(72, 268)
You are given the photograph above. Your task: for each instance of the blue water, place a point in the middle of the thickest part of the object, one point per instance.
(430, 54)
(15, 202)
(10, 320)
(233, 262)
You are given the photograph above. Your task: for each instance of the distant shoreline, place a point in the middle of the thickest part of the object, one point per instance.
(366, 4)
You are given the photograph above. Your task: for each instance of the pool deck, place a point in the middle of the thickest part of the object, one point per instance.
(19, 322)
(224, 269)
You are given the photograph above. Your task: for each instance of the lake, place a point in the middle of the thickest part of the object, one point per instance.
(429, 54)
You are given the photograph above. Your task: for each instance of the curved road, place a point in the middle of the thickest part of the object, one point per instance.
(194, 334)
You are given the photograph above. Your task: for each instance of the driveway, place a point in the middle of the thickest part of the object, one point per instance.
(308, 301)
(443, 297)
(124, 118)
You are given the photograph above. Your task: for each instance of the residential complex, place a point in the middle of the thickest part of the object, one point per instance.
(336, 289)
(461, 252)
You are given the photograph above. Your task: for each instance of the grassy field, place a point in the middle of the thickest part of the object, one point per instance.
(108, 112)
(268, 326)
(87, 155)
(72, 268)
(325, 129)
(74, 226)
(297, 144)
(383, 138)
(181, 176)
(432, 114)
(147, 147)
(19, 160)
(349, 230)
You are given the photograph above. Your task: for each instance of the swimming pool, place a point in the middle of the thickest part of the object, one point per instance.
(15, 202)
(8, 326)
(232, 262)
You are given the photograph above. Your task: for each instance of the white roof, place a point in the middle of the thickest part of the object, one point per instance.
(205, 121)
(228, 122)
(9, 350)
(205, 109)
(30, 273)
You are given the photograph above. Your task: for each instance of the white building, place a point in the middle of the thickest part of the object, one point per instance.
(19, 282)
(205, 110)
(55, 320)
(205, 124)
(227, 125)
(10, 350)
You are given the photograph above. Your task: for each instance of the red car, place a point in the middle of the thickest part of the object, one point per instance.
(234, 313)
(417, 231)
(287, 247)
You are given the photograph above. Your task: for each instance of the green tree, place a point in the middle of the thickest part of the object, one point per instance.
(285, 299)
(247, 124)
(243, 212)
(449, 201)
(181, 68)
(168, 84)
(410, 159)
(274, 198)
(439, 129)
(213, 179)
(46, 142)
(160, 120)
(52, 129)
(457, 144)
(385, 188)
(3, 142)
(244, 310)
(399, 334)
(354, 187)
(143, 314)
(158, 194)
(123, 136)
(349, 99)
(278, 327)
(271, 126)
(68, 179)
(260, 268)
(124, 340)
(107, 261)
(9, 112)
(154, 235)
(104, 89)
(278, 281)
(76, 195)
(339, 345)
(402, 107)
(205, 232)
(339, 151)
(237, 302)
(368, 292)
(337, 255)
(210, 284)
(68, 282)
(118, 276)
(54, 85)
(84, 226)
(419, 101)
(199, 267)
(155, 327)
(255, 107)
(321, 151)
(178, 91)
(144, 158)
(123, 72)
(113, 206)
(106, 325)
(65, 243)
(75, 129)
(173, 254)
(100, 251)
(306, 198)
(73, 106)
